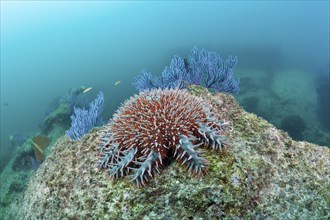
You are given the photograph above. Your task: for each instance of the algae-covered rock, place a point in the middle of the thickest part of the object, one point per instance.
(263, 174)
(17, 173)
(59, 117)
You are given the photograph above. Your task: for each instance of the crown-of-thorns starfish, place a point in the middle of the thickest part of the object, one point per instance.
(153, 126)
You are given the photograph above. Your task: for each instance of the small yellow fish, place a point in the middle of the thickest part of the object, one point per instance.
(86, 89)
(117, 82)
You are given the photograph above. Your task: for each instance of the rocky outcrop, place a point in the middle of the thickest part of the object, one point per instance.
(264, 173)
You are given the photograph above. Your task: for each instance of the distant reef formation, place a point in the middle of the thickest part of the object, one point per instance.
(262, 174)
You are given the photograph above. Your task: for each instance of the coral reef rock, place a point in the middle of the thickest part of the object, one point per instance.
(263, 174)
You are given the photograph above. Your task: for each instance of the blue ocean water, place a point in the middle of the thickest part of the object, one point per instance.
(48, 48)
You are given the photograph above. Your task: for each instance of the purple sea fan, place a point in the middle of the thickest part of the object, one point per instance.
(202, 67)
(83, 120)
(154, 126)
(207, 69)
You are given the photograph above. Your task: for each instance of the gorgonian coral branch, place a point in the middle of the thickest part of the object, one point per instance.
(83, 120)
(202, 67)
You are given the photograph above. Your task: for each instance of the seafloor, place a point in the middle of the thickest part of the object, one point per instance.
(264, 174)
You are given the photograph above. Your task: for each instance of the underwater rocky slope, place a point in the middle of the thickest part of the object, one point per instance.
(263, 174)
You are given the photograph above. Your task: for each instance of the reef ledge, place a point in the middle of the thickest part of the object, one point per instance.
(263, 174)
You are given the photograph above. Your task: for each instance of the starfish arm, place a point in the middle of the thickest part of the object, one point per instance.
(191, 158)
